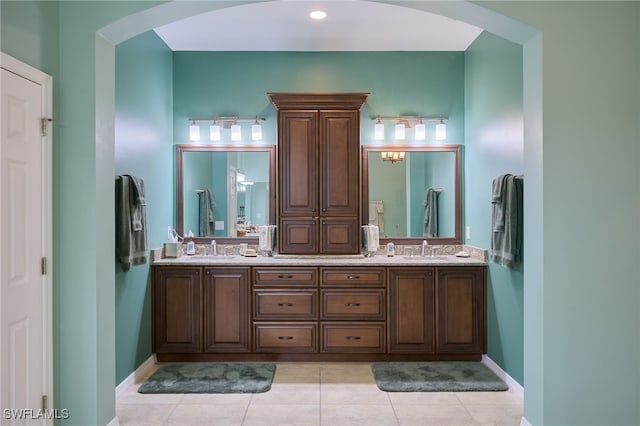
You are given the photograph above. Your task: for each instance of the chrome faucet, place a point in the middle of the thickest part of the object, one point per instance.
(424, 247)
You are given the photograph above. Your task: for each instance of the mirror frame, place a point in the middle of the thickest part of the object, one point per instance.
(182, 148)
(456, 149)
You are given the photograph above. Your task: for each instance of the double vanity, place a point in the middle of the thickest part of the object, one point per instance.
(320, 308)
(319, 300)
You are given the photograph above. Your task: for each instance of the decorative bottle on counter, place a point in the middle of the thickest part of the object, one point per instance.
(391, 249)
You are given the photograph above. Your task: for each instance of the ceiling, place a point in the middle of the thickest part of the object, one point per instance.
(350, 25)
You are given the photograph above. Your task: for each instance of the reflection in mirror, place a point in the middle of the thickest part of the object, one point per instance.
(413, 197)
(224, 191)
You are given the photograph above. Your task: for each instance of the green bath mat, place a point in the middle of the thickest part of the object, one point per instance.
(210, 377)
(437, 376)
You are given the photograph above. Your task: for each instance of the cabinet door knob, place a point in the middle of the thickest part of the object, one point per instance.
(285, 304)
(350, 304)
(352, 337)
(352, 277)
(324, 210)
(285, 276)
(285, 337)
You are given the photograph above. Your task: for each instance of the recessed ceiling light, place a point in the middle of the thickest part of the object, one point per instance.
(318, 14)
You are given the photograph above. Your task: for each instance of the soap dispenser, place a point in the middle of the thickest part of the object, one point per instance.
(191, 245)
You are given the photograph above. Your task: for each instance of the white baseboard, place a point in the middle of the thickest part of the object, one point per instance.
(141, 371)
(514, 386)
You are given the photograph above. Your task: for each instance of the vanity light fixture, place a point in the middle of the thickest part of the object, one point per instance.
(418, 123)
(236, 132)
(216, 124)
(392, 156)
(441, 131)
(399, 134)
(194, 131)
(215, 132)
(378, 131)
(256, 131)
(420, 131)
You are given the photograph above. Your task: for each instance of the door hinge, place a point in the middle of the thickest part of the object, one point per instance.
(43, 265)
(44, 402)
(43, 125)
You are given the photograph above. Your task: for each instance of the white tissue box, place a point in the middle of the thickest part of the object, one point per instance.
(171, 249)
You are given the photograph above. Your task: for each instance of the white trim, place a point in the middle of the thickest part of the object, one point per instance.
(140, 372)
(514, 386)
(510, 381)
(24, 70)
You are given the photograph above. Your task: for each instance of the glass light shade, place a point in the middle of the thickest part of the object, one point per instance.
(441, 131)
(378, 131)
(194, 132)
(256, 132)
(215, 132)
(420, 132)
(236, 132)
(383, 155)
(400, 131)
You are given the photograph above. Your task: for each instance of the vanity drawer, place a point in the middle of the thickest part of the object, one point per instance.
(285, 337)
(340, 277)
(298, 277)
(287, 305)
(353, 337)
(366, 304)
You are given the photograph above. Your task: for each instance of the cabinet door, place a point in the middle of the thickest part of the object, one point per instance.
(339, 163)
(298, 157)
(177, 326)
(411, 310)
(461, 313)
(298, 235)
(339, 235)
(226, 310)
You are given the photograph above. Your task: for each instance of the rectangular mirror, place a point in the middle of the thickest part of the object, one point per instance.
(224, 192)
(413, 193)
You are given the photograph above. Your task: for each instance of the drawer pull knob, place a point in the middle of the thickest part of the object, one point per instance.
(352, 337)
(285, 276)
(285, 304)
(352, 277)
(352, 304)
(285, 337)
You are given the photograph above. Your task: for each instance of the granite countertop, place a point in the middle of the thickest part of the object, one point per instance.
(443, 256)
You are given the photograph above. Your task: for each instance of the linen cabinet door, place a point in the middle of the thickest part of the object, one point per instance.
(412, 308)
(461, 312)
(177, 314)
(226, 310)
(297, 155)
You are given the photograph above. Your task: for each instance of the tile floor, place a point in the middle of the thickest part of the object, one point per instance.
(320, 394)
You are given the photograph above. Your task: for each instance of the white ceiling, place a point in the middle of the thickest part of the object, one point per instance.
(351, 25)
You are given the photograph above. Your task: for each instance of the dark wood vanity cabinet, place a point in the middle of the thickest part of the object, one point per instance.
(461, 314)
(226, 310)
(437, 310)
(198, 309)
(412, 310)
(177, 313)
(316, 313)
(319, 172)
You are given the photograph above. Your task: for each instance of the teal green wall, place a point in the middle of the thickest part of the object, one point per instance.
(29, 32)
(208, 84)
(494, 145)
(144, 148)
(582, 296)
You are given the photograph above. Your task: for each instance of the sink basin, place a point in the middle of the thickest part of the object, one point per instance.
(426, 258)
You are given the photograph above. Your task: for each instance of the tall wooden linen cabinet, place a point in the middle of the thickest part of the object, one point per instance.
(319, 172)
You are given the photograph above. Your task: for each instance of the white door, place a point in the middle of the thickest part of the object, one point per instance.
(25, 228)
